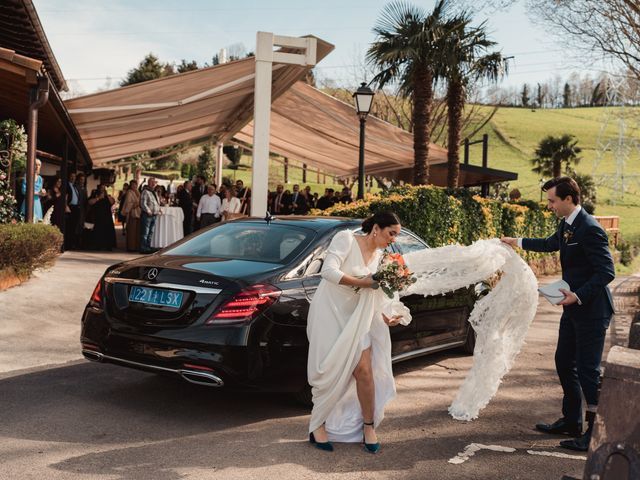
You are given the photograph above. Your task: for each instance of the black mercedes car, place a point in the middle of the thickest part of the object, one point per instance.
(227, 306)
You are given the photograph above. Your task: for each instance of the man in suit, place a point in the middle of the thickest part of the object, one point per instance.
(587, 266)
(185, 202)
(297, 202)
(72, 214)
(278, 202)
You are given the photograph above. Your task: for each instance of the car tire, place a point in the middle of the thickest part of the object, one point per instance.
(303, 396)
(470, 344)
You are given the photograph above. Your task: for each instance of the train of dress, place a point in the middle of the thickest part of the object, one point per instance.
(500, 319)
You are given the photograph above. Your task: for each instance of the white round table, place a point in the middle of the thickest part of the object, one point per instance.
(169, 227)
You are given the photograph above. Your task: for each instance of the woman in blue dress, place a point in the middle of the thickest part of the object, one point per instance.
(38, 192)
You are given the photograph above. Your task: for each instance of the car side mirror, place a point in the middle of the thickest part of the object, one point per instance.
(314, 267)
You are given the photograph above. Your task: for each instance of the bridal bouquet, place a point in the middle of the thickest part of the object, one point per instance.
(393, 275)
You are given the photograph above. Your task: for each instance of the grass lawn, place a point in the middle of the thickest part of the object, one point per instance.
(515, 132)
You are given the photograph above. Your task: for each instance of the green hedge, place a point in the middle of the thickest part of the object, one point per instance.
(24, 246)
(444, 217)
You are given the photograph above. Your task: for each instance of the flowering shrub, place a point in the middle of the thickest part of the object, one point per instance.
(444, 217)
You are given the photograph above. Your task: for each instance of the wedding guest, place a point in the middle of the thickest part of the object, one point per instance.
(279, 201)
(199, 188)
(150, 209)
(119, 215)
(73, 214)
(230, 204)
(346, 196)
(103, 235)
(326, 200)
(185, 202)
(297, 202)
(208, 211)
(349, 341)
(131, 211)
(587, 266)
(244, 194)
(55, 199)
(38, 192)
(240, 190)
(82, 207)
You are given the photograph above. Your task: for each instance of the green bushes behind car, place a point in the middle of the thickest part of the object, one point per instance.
(443, 217)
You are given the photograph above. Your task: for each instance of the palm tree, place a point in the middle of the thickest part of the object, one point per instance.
(465, 61)
(552, 152)
(407, 52)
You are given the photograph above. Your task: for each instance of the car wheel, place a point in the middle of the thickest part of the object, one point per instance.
(470, 344)
(303, 396)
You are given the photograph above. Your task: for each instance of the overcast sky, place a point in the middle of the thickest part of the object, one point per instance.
(97, 42)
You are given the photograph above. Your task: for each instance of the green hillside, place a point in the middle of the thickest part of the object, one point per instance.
(515, 132)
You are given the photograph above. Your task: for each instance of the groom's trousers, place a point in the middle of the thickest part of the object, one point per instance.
(578, 356)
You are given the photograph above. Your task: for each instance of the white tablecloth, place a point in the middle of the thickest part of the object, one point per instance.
(168, 227)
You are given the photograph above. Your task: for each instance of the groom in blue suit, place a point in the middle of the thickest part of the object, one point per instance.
(587, 266)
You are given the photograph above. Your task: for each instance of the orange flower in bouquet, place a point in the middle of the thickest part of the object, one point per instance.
(393, 275)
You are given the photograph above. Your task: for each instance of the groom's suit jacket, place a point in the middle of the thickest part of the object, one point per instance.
(587, 265)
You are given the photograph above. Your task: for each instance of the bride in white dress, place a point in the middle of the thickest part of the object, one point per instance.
(349, 366)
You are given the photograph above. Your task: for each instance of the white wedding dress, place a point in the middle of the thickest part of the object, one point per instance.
(341, 324)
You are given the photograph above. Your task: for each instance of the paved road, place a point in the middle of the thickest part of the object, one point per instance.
(64, 418)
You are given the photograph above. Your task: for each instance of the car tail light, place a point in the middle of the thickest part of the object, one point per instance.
(96, 296)
(246, 305)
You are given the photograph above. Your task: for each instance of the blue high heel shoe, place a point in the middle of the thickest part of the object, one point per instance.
(370, 447)
(326, 446)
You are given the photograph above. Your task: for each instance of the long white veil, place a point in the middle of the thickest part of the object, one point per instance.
(501, 319)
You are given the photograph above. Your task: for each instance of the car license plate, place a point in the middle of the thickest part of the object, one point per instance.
(154, 296)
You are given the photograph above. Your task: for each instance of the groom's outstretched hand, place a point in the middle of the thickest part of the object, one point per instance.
(512, 242)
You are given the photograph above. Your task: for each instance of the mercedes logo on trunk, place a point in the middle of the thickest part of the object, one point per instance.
(153, 273)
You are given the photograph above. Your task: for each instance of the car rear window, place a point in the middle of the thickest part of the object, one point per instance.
(247, 241)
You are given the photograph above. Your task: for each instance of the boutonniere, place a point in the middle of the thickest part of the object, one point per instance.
(567, 235)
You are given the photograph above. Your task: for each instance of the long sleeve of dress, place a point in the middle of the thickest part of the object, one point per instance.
(336, 254)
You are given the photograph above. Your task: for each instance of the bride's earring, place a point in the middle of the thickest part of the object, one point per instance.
(375, 234)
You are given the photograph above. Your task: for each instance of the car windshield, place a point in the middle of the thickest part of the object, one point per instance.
(247, 241)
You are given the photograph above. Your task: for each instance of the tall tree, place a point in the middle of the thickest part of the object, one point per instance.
(407, 52)
(566, 96)
(149, 68)
(206, 161)
(540, 96)
(524, 96)
(466, 59)
(187, 66)
(554, 152)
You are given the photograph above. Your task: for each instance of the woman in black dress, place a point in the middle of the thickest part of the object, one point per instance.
(55, 199)
(103, 235)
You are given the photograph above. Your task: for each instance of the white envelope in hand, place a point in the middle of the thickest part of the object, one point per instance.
(552, 291)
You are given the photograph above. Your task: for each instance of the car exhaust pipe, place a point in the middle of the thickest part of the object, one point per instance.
(92, 355)
(201, 378)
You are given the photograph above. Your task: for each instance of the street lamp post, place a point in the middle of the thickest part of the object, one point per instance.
(364, 99)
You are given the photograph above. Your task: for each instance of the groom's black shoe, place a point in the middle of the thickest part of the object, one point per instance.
(580, 444)
(561, 427)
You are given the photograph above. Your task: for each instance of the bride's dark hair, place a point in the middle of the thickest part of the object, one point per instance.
(382, 219)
